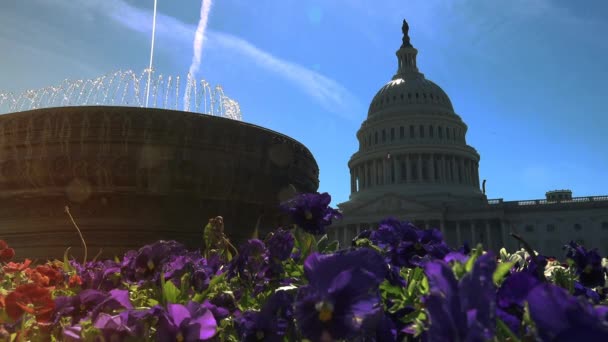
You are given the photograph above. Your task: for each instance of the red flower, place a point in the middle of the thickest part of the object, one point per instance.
(13, 267)
(75, 280)
(6, 253)
(44, 275)
(32, 299)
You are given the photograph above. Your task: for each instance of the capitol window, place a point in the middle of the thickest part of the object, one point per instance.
(550, 227)
(392, 134)
(605, 225)
(447, 132)
(529, 228)
(431, 131)
(421, 131)
(577, 227)
(383, 136)
(376, 138)
(412, 135)
(401, 132)
(440, 132)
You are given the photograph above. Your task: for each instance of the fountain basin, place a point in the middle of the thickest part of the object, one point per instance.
(131, 176)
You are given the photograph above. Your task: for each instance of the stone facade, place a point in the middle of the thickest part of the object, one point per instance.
(133, 175)
(414, 164)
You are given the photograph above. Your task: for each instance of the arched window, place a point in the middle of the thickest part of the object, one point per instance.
(440, 132)
(431, 131)
(577, 227)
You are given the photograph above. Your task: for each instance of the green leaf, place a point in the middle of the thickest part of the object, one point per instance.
(504, 331)
(67, 268)
(331, 247)
(304, 241)
(475, 253)
(322, 243)
(501, 271)
(170, 292)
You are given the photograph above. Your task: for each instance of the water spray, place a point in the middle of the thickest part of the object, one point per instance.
(197, 47)
(151, 53)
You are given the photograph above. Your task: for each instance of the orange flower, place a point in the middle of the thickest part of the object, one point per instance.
(30, 298)
(13, 267)
(6, 253)
(75, 280)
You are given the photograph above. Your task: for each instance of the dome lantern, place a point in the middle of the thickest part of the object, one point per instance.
(406, 57)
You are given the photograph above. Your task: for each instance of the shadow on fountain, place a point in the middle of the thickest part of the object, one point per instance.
(132, 176)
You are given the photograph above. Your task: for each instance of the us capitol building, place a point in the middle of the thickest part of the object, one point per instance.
(414, 164)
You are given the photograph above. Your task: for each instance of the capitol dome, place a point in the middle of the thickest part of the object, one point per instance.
(412, 143)
(400, 94)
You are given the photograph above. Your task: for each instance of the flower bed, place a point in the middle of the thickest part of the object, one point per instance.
(397, 282)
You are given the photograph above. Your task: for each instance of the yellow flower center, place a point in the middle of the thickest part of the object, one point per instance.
(150, 265)
(418, 246)
(179, 337)
(326, 311)
(588, 269)
(308, 215)
(259, 335)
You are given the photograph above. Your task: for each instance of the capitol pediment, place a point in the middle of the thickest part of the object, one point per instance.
(389, 204)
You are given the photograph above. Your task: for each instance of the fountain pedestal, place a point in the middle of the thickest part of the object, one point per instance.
(132, 176)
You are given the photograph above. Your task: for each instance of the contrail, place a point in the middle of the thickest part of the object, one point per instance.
(199, 36)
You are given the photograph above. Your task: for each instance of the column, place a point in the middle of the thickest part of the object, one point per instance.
(456, 169)
(474, 238)
(463, 169)
(397, 164)
(373, 173)
(432, 167)
(366, 174)
(477, 174)
(387, 175)
(408, 171)
(353, 186)
(490, 246)
(444, 179)
(458, 236)
(426, 225)
(442, 228)
(420, 167)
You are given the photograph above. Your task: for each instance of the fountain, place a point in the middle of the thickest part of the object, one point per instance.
(126, 88)
(133, 169)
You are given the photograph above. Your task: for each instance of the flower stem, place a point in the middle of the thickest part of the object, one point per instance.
(84, 244)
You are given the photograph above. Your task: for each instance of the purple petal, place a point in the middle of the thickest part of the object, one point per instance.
(207, 324)
(178, 313)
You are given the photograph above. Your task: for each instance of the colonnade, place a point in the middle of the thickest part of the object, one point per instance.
(492, 233)
(414, 168)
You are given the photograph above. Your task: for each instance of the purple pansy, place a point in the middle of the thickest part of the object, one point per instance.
(588, 264)
(251, 262)
(511, 296)
(272, 323)
(342, 292)
(407, 246)
(462, 310)
(147, 262)
(280, 244)
(561, 317)
(186, 323)
(311, 212)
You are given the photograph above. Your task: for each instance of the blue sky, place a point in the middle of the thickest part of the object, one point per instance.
(527, 76)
